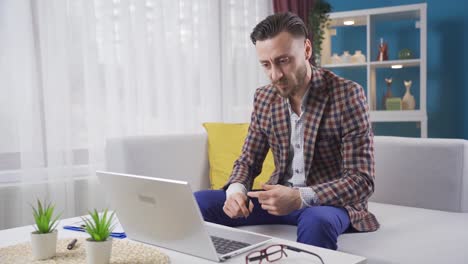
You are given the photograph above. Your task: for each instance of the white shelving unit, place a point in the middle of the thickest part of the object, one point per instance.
(368, 18)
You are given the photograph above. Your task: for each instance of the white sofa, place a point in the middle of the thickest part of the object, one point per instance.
(420, 199)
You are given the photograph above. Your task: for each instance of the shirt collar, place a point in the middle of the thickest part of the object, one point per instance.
(303, 102)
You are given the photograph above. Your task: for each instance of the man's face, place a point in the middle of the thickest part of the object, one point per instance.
(284, 59)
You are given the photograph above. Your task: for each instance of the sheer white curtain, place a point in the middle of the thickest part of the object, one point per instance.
(241, 73)
(74, 73)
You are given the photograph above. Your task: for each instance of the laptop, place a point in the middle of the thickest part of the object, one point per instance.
(164, 213)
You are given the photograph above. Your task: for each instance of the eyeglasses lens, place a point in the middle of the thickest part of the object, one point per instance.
(274, 253)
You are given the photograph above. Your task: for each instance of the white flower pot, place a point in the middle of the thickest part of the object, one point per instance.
(98, 252)
(43, 245)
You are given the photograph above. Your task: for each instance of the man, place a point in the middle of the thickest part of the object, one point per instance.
(317, 126)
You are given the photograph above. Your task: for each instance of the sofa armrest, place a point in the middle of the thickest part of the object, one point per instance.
(179, 157)
(422, 172)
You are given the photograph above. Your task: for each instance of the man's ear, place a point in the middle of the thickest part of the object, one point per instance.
(308, 49)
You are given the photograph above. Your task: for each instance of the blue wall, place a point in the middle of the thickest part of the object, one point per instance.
(447, 72)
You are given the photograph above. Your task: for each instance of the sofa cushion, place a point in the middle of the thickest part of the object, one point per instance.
(406, 235)
(225, 141)
(175, 157)
(421, 172)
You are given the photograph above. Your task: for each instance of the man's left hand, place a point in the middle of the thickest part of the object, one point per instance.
(278, 199)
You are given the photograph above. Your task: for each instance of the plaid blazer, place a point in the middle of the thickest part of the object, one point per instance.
(338, 147)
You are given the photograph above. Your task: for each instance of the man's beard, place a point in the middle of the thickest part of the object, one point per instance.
(299, 75)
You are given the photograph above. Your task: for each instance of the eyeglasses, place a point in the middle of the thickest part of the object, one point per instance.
(274, 253)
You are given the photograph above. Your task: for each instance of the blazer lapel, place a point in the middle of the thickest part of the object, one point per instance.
(318, 98)
(281, 128)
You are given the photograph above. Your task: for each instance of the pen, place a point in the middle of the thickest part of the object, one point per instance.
(248, 201)
(248, 198)
(72, 244)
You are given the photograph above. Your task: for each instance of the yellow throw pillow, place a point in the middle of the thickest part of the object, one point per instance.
(225, 141)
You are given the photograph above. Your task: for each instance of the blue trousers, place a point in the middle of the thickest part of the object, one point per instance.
(318, 225)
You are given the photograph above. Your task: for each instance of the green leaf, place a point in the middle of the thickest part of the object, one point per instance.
(43, 217)
(318, 21)
(99, 225)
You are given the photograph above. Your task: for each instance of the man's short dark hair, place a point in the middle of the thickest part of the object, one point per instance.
(277, 23)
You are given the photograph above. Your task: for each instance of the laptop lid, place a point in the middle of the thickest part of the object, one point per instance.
(160, 212)
(164, 212)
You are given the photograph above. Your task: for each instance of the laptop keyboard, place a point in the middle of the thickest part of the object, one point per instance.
(224, 246)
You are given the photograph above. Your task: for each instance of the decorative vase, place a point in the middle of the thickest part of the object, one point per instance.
(346, 57)
(98, 252)
(388, 93)
(358, 57)
(335, 59)
(408, 102)
(383, 51)
(44, 245)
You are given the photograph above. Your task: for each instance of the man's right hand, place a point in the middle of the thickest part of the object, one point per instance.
(236, 206)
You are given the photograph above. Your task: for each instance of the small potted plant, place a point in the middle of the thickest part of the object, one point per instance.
(99, 245)
(44, 239)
